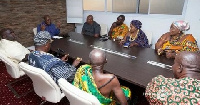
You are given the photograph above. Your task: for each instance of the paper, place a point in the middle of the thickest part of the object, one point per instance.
(57, 37)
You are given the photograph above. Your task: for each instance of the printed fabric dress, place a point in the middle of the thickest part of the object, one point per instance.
(188, 44)
(171, 91)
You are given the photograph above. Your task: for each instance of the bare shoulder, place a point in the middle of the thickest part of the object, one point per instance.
(109, 76)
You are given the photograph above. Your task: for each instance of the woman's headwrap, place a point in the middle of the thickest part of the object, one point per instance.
(136, 23)
(181, 25)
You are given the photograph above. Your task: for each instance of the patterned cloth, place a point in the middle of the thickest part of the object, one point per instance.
(42, 38)
(91, 29)
(140, 39)
(171, 91)
(85, 81)
(13, 50)
(55, 67)
(119, 32)
(188, 44)
(52, 29)
(181, 25)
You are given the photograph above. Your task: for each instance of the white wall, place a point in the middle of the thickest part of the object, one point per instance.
(157, 24)
(193, 17)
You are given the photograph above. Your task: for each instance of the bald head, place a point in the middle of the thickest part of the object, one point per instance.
(186, 64)
(189, 59)
(97, 57)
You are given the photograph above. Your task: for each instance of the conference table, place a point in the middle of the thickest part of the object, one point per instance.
(135, 65)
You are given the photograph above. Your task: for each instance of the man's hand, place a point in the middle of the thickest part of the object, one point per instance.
(65, 57)
(121, 42)
(96, 35)
(76, 61)
(170, 54)
(43, 27)
(58, 24)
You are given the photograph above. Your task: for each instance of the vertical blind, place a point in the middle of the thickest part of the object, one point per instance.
(74, 11)
(125, 6)
(173, 7)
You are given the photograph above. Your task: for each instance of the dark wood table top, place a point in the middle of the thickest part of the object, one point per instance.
(132, 67)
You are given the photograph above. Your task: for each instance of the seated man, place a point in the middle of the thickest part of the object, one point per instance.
(91, 27)
(10, 47)
(90, 78)
(184, 89)
(176, 40)
(55, 67)
(118, 29)
(46, 25)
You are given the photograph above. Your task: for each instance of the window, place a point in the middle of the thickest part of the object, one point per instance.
(124, 6)
(74, 11)
(174, 7)
(95, 5)
(143, 6)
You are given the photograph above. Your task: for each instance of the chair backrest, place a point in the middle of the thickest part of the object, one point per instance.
(35, 30)
(43, 84)
(12, 67)
(75, 95)
(104, 30)
(149, 35)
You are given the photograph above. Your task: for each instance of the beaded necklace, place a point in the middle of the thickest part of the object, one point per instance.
(174, 39)
(132, 38)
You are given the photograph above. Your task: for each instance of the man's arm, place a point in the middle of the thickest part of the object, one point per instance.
(83, 29)
(97, 30)
(111, 29)
(118, 92)
(56, 30)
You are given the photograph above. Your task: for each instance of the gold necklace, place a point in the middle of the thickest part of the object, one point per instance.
(132, 38)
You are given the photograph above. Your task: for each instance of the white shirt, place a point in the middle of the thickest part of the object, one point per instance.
(13, 50)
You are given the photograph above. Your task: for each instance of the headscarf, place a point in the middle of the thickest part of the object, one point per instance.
(136, 23)
(41, 38)
(182, 25)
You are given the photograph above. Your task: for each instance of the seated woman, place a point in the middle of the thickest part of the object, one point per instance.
(135, 37)
(105, 87)
(175, 41)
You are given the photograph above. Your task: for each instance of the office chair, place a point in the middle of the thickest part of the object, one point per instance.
(44, 86)
(75, 95)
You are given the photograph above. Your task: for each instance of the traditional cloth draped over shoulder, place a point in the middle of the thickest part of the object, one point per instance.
(120, 31)
(185, 42)
(85, 81)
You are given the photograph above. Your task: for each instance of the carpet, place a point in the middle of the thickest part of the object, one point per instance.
(20, 91)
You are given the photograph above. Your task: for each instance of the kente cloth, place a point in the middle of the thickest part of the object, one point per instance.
(85, 81)
(171, 91)
(55, 67)
(119, 31)
(13, 50)
(140, 39)
(187, 44)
